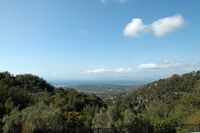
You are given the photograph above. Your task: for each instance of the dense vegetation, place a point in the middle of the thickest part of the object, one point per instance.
(28, 103)
(165, 103)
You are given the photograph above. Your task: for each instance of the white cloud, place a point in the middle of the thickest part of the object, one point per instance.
(96, 71)
(103, 70)
(147, 66)
(165, 65)
(159, 27)
(166, 25)
(122, 70)
(135, 28)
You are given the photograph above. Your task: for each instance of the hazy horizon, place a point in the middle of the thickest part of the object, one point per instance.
(100, 39)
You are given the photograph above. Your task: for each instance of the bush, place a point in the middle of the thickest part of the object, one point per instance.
(34, 118)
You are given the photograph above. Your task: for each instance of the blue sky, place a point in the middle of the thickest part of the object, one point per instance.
(99, 39)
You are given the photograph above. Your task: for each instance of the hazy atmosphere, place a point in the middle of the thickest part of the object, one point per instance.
(99, 39)
(99, 66)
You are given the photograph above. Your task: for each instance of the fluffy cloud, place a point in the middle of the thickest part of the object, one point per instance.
(165, 65)
(167, 25)
(135, 28)
(159, 27)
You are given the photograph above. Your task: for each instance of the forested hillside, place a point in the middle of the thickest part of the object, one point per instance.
(164, 103)
(28, 103)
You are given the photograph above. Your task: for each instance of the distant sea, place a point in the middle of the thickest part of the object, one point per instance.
(72, 83)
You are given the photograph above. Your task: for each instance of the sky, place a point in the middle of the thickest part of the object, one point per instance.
(100, 39)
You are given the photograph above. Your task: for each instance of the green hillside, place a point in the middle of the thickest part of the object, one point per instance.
(164, 103)
(28, 104)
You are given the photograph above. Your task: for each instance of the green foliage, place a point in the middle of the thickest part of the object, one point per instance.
(33, 118)
(100, 119)
(164, 126)
(74, 119)
(90, 112)
(128, 117)
(180, 130)
(12, 122)
(115, 117)
(8, 105)
(42, 118)
(193, 118)
(28, 103)
(163, 105)
(171, 99)
(70, 100)
(33, 83)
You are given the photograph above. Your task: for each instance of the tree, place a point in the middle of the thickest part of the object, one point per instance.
(90, 112)
(100, 119)
(12, 122)
(128, 117)
(34, 118)
(74, 119)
